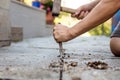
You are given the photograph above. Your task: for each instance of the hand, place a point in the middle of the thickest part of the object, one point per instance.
(61, 33)
(82, 11)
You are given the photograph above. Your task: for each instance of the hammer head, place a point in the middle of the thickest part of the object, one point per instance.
(56, 7)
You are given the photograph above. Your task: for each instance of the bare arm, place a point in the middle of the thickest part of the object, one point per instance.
(104, 10)
(93, 3)
(83, 10)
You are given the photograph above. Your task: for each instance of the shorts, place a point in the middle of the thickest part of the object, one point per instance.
(116, 32)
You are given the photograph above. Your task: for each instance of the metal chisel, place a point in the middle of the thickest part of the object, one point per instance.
(61, 60)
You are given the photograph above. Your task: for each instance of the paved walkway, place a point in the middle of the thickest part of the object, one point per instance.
(30, 59)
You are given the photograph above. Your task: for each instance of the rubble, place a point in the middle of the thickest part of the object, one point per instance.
(98, 65)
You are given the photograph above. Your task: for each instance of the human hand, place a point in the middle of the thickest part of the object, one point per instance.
(82, 11)
(62, 33)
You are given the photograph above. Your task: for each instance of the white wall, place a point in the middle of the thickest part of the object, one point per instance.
(4, 20)
(32, 20)
(5, 26)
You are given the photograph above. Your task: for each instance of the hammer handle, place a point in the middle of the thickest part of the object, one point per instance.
(69, 10)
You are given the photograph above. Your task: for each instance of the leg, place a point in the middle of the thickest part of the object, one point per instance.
(115, 46)
(115, 41)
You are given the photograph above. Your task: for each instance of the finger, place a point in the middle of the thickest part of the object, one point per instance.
(54, 28)
(73, 15)
(76, 13)
(86, 13)
(81, 16)
(56, 36)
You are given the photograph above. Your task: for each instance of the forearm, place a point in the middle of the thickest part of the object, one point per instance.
(93, 3)
(104, 10)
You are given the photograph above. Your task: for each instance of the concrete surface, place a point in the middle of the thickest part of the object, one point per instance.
(30, 59)
(4, 4)
(5, 26)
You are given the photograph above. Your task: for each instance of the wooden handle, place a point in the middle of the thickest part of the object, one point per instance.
(69, 10)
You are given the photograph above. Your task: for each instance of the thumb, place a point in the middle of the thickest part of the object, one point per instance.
(75, 14)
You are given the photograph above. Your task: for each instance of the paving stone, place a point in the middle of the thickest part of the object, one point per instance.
(30, 59)
(100, 75)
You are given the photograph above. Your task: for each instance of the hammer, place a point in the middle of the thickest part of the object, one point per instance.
(55, 12)
(57, 8)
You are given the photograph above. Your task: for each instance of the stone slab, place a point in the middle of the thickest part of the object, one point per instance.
(4, 4)
(5, 30)
(30, 59)
(16, 34)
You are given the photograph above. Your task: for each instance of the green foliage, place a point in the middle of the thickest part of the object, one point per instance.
(63, 14)
(66, 19)
(49, 3)
(103, 29)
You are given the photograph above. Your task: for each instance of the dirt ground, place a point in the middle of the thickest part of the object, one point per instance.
(31, 59)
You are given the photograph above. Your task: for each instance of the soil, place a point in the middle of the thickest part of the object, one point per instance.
(68, 64)
(54, 65)
(65, 56)
(73, 64)
(98, 65)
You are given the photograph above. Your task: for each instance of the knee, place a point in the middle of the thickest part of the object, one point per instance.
(115, 46)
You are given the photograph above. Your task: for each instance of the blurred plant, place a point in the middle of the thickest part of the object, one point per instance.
(48, 5)
(66, 19)
(103, 29)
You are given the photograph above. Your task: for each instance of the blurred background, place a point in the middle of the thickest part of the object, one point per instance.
(65, 18)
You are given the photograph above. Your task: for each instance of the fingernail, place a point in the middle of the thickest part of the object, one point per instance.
(76, 13)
